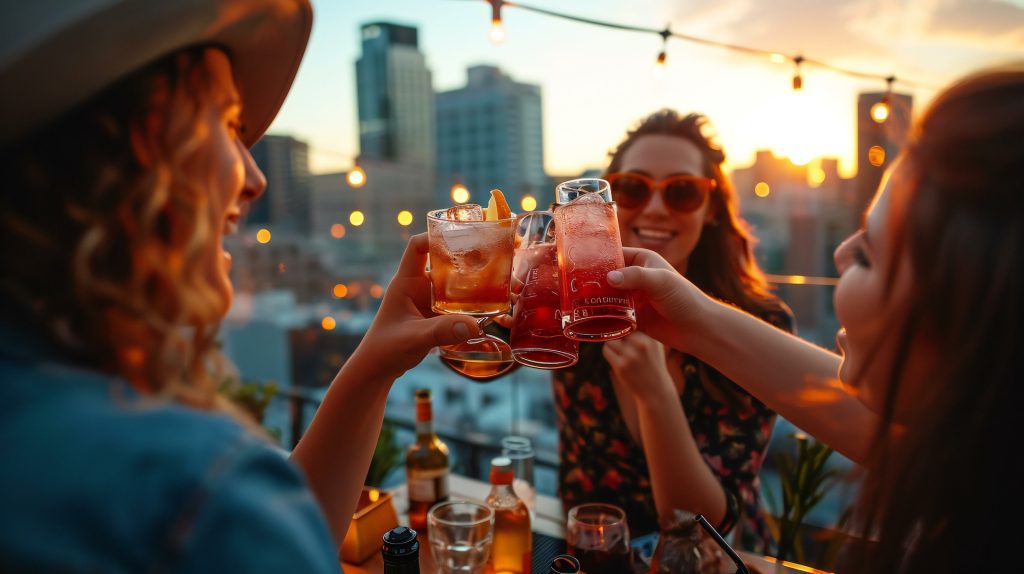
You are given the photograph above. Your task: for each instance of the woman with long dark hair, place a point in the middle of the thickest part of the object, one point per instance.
(927, 391)
(649, 429)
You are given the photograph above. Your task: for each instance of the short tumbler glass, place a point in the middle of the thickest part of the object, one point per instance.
(460, 536)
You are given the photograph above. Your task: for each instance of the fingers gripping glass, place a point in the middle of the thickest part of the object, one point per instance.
(682, 193)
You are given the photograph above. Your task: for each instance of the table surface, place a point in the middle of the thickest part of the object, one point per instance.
(548, 519)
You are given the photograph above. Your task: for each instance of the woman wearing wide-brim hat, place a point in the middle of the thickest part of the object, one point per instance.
(124, 154)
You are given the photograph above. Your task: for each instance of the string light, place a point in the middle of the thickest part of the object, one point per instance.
(798, 79)
(263, 235)
(356, 218)
(881, 110)
(774, 56)
(528, 203)
(356, 177)
(497, 29)
(659, 65)
(404, 217)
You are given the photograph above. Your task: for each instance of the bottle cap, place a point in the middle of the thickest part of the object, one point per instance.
(400, 546)
(564, 564)
(501, 470)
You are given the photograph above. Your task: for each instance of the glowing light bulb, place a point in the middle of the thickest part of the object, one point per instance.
(497, 32)
(357, 177)
(880, 111)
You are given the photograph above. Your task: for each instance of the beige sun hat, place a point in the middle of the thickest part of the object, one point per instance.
(56, 54)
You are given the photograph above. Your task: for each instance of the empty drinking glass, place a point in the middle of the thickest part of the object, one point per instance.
(460, 535)
(519, 450)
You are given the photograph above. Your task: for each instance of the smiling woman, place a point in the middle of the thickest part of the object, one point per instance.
(681, 435)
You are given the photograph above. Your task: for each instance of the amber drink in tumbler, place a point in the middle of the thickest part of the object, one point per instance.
(589, 246)
(470, 274)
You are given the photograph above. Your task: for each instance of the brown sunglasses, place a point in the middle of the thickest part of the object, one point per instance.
(682, 193)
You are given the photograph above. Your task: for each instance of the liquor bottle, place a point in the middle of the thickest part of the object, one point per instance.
(426, 465)
(564, 564)
(512, 546)
(401, 551)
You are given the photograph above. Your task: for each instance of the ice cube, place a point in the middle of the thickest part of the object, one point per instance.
(465, 212)
(589, 197)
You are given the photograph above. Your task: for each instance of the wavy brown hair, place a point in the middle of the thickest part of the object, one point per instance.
(105, 235)
(936, 494)
(722, 263)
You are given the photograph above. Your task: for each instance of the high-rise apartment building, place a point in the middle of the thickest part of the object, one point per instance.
(286, 202)
(878, 143)
(395, 96)
(490, 135)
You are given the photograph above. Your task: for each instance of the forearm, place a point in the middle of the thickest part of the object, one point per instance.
(793, 377)
(680, 479)
(336, 449)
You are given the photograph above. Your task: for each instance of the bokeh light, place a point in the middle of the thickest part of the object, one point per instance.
(459, 193)
(404, 217)
(340, 290)
(762, 189)
(263, 235)
(337, 231)
(356, 218)
(328, 323)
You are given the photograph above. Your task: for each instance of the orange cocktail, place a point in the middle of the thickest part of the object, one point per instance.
(470, 262)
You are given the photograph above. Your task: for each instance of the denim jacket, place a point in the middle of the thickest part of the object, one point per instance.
(96, 478)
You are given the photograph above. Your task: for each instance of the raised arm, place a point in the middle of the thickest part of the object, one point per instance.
(336, 449)
(793, 377)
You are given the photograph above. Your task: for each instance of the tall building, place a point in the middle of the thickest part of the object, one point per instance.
(395, 96)
(285, 204)
(490, 135)
(878, 143)
(799, 215)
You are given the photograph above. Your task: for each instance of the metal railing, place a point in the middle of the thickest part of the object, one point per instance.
(473, 449)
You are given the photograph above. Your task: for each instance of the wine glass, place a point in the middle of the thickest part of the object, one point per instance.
(470, 274)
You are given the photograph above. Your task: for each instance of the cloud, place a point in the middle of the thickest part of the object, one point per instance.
(885, 31)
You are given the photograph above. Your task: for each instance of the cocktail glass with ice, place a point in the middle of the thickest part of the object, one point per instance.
(589, 246)
(470, 274)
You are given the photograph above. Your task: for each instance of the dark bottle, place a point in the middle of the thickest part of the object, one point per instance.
(564, 564)
(401, 551)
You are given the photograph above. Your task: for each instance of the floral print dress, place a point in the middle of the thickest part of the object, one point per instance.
(601, 462)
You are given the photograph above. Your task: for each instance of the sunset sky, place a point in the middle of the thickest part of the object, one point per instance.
(597, 82)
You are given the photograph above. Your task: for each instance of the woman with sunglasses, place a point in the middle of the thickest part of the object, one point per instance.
(648, 428)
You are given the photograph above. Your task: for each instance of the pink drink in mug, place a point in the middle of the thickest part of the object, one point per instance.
(589, 246)
(537, 339)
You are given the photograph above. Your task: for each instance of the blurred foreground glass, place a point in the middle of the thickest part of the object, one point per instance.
(520, 451)
(537, 339)
(589, 246)
(470, 274)
(598, 536)
(460, 536)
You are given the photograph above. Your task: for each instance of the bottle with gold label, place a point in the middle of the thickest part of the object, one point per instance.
(426, 465)
(512, 546)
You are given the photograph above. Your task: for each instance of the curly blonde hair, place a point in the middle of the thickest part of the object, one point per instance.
(105, 236)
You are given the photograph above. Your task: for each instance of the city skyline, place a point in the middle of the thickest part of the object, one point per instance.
(594, 90)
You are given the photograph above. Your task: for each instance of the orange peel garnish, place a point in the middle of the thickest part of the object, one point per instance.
(497, 207)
